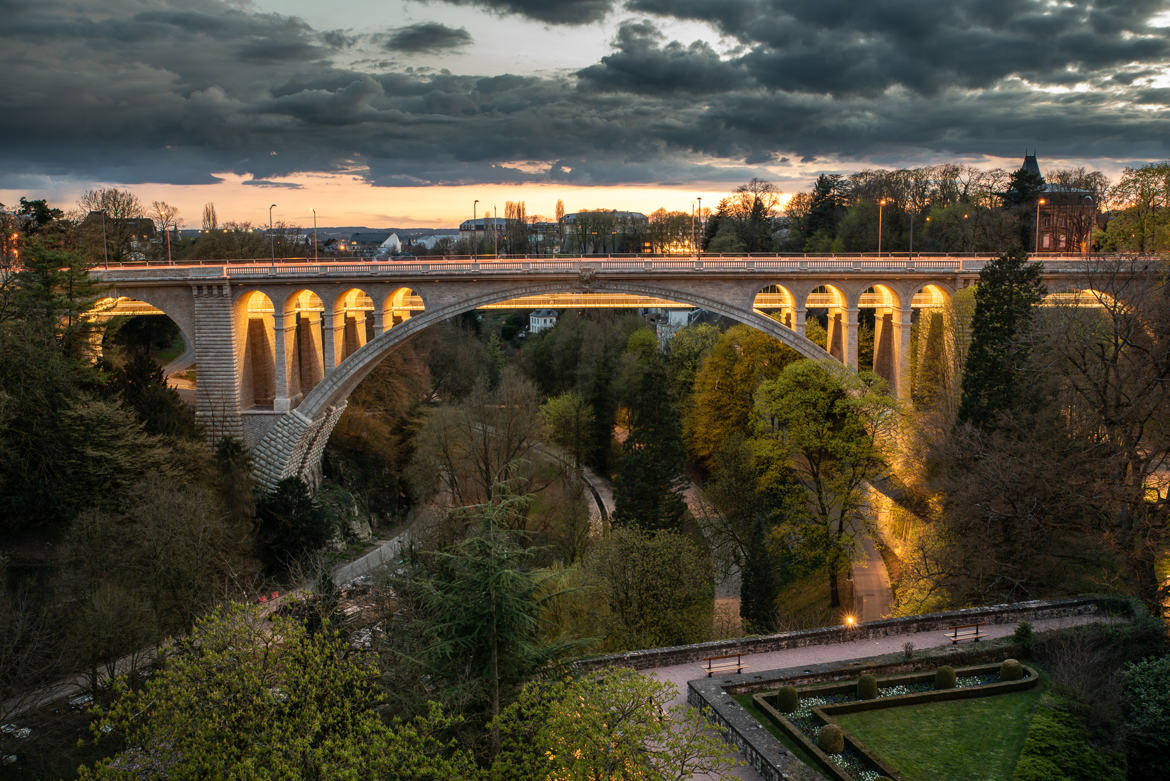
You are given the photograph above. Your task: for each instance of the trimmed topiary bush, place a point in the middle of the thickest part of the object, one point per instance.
(944, 677)
(831, 739)
(867, 687)
(787, 699)
(1011, 670)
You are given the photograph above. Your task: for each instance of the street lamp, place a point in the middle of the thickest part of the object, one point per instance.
(314, 235)
(271, 238)
(970, 238)
(881, 204)
(700, 229)
(474, 230)
(1039, 203)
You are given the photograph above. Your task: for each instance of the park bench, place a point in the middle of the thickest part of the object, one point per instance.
(957, 634)
(724, 664)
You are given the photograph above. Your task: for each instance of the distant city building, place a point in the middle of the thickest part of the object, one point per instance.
(481, 228)
(391, 246)
(430, 241)
(541, 320)
(1067, 216)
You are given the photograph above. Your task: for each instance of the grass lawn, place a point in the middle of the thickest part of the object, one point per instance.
(746, 701)
(976, 739)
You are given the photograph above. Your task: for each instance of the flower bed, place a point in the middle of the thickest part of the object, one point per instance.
(819, 704)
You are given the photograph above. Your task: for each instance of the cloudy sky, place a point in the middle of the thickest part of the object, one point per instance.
(384, 112)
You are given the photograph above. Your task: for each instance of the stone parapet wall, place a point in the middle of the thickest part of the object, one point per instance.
(991, 614)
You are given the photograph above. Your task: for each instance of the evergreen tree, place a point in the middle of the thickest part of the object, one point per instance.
(292, 523)
(759, 586)
(993, 379)
(647, 487)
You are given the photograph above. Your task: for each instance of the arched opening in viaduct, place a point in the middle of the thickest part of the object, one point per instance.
(132, 318)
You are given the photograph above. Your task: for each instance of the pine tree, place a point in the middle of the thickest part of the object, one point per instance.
(993, 379)
(759, 587)
(647, 487)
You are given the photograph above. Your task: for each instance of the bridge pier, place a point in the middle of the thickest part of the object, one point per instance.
(217, 358)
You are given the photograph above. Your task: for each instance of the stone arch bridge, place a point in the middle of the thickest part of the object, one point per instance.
(278, 347)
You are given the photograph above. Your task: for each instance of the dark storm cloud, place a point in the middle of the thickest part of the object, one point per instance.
(429, 37)
(845, 48)
(112, 92)
(641, 63)
(550, 11)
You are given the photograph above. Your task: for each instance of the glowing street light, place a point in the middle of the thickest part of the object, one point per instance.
(1039, 203)
(850, 621)
(314, 235)
(881, 205)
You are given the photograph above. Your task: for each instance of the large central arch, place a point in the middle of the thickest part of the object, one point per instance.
(294, 444)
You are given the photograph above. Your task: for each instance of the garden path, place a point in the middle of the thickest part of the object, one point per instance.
(843, 652)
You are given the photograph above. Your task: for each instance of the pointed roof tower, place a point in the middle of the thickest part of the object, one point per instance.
(1030, 164)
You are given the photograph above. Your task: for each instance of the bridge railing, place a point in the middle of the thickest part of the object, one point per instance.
(560, 264)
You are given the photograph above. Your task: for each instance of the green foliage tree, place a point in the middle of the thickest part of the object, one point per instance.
(249, 697)
(479, 616)
(569, 418)
(823, 426)
(290, 524)
(994, 380)
(52, 292)
(139, 381)
(725, 386)
(684, 354)
(657, 588)
(614, 726)
(649, 478)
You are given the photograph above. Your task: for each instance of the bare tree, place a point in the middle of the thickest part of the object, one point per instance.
(210, 222)
(111, 225)
(1115, 358)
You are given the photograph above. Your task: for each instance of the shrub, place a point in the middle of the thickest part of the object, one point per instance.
(908, 650)
(866, 687)
(944, 677)
(831, 739)
(1023, 634)
(1147, 696)
(787, 699)
(1058, 747)
(1011, 670)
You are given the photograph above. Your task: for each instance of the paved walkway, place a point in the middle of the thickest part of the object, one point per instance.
(843, 652)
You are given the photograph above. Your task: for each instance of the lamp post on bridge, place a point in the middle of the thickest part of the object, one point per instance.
(1039, 203)
(271, 238)
(315, 235)
(474, 230)
(700, 245)
(881, 205)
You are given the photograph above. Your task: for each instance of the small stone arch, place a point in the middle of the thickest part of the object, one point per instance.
(834, 304)
(304, 342)
(254, 315)
(932, 360)
(399, 306)
(778, 302)
(353, 322)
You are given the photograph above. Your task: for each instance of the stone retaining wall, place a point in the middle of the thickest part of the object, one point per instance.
(992, 614)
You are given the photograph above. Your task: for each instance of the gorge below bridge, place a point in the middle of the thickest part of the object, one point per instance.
(279, 346)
